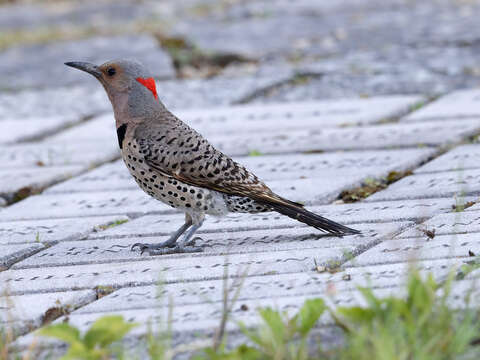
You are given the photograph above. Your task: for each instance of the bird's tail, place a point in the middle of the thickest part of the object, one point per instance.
(297, 212)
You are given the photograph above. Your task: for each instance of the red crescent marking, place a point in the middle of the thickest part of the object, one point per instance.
(149, 84)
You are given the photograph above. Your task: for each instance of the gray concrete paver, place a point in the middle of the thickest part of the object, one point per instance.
(191, 317)
(22, 313)
(448, 184)
(50, 231)
(260, 118)
(369, 137)
(451, 223)
(21, 130)
(31, 65)
(180, 268)
(463, 157)
(100, 250)
(456, 105)
(357, 213)
(13, 253)
(458, 246)
(34, 179)
(46, 154)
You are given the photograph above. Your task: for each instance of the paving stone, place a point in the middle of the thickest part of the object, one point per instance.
(446, 184)
(76, 103)
(13, 253)
(50, 231)
(217, 91)
(450, 223)
(12, 131)
(265, 287)
(367, 137)
(83, 204)
(357, 213)
(248, 37)
(202, 320)
(175, 268)
(191, 323)
(420, 248)
(33, 179)
(99, 129)
(54, 103)
(459, 104)
(308, 191)
(25, 312)
(248, 118)
(255, 294)
(319, 166)
(148, 304)
(165, 269)
(42, 65)
(255, 118)
(474, 206)
(38, 154)
(460, 158)
(35, 16)
(114, 250)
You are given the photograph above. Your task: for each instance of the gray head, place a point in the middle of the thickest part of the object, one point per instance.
(127, 83)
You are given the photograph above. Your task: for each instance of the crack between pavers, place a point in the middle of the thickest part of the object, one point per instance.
(264, 91)
(45, 135)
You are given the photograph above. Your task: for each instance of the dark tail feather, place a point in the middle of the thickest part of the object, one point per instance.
(311, 219)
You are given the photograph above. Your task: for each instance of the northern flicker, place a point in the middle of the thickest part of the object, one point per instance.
(174, 164)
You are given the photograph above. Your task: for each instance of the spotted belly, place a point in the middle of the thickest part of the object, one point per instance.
(194, 200)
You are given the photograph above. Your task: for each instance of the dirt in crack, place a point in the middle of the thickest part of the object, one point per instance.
(191, 61)
(371, 186)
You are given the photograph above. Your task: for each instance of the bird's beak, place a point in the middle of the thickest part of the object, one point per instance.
(87, 67)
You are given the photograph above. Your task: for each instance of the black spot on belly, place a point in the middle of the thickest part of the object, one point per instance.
(122, 129)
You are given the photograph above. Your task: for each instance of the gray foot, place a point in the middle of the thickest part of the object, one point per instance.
(168, 248)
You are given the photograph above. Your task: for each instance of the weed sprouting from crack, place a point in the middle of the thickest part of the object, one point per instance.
(112, 225)
(371, 186)
(227, 304)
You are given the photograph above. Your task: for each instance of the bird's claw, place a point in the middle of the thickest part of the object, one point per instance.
(141, 246)
(163, 249)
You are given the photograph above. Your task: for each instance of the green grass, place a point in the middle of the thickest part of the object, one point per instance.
(97, 343)
(254, 153)
(419, 326)
(115, 223)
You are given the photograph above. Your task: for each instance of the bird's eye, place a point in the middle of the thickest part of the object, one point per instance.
(111, 71)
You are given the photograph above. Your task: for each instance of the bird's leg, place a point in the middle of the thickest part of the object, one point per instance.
(171, 242)
(186, 238)
(171, 246)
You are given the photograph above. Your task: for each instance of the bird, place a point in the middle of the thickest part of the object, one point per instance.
(173, 163)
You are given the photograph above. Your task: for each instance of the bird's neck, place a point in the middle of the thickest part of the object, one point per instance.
(130, 109)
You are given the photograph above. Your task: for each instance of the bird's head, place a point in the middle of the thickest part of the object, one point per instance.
(124, 81)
